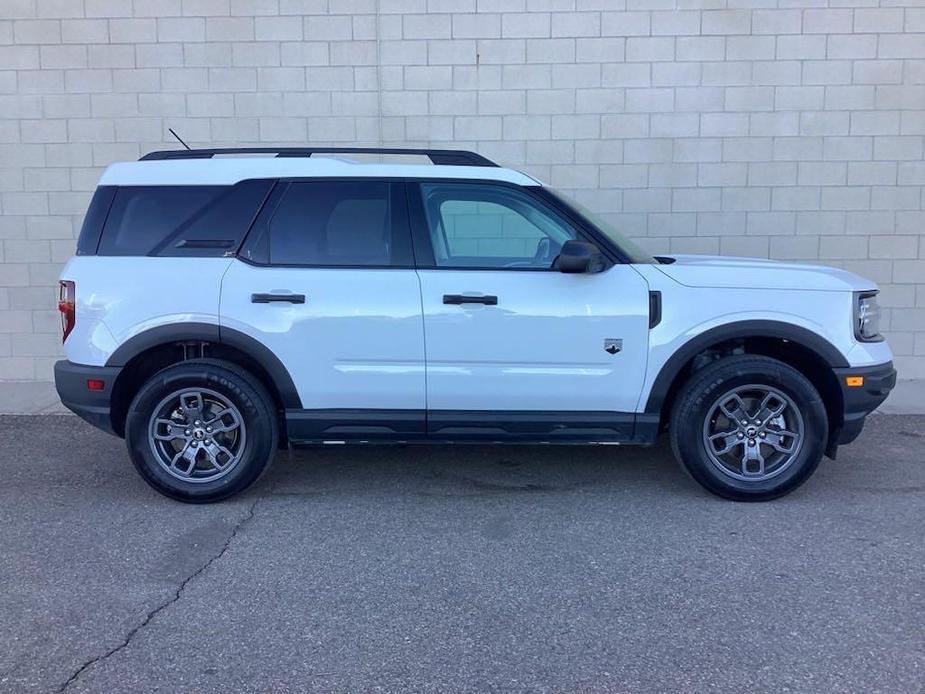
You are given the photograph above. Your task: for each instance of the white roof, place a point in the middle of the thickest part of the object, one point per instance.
(230, 170)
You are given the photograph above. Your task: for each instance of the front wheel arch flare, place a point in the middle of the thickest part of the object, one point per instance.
(742, 330)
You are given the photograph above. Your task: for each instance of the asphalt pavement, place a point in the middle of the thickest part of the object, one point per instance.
(459, 569)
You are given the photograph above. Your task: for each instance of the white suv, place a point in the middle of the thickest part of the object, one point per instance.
(222, 304)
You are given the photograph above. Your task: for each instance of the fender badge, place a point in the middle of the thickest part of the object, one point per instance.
(613, 345)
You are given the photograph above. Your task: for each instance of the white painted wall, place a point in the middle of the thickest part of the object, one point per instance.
(774, 128)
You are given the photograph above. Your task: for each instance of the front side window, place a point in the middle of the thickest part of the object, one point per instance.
(332, 223)
(476, 225)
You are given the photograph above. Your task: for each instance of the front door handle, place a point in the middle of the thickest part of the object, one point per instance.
(457, 299)
(267, 298)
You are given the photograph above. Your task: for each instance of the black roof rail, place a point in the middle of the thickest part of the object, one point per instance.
(440, 157)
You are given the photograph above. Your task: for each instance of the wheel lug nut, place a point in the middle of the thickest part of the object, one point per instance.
(744, 422)
(762, 434)
(751, 442)
(208, 442)
(740, 435)
(758, 422)
(196, 423)
(195, 444)
(209, 429)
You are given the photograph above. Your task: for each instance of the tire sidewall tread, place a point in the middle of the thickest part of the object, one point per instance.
(244, 390)
(702, 389)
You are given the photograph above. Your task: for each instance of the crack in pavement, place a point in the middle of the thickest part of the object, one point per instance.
(157, 610)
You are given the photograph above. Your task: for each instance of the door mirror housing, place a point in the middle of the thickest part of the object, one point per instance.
(580, 257)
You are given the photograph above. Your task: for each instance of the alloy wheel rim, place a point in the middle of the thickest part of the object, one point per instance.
(197, 435)
(753, 432)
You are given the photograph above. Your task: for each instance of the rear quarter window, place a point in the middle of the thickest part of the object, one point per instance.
(92, 227)
(181, 220)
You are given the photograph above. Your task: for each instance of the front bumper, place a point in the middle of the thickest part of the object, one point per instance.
(860, 401)
(92, 405)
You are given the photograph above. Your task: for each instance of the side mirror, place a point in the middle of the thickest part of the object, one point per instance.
(579, 256)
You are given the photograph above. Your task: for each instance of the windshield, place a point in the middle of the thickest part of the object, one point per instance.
(633, 252)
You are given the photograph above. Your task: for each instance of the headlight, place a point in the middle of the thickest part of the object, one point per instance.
(866, 317)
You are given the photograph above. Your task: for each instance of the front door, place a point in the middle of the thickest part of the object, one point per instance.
(515, 348)
(326, 282)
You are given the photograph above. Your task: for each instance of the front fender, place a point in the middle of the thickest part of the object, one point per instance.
(805, 337)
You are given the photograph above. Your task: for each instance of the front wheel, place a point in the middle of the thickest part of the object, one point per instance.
(201, 431)
(749, 428)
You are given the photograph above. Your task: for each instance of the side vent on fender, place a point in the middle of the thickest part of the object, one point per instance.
(655, 309)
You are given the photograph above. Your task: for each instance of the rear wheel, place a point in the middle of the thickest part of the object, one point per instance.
(749, 428)
(201, 431)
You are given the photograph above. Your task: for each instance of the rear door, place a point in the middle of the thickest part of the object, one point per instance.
(326, 281)
(515, 348)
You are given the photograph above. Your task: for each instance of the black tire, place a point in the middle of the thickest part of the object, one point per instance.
(233, 384)
(696, 402)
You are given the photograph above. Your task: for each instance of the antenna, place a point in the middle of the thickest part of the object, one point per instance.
(180, 139)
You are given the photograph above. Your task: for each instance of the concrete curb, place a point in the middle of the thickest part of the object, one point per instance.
(39, 397)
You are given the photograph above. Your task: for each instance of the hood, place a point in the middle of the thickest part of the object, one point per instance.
(756, 273)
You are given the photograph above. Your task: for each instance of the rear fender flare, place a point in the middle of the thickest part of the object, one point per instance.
(209, 332)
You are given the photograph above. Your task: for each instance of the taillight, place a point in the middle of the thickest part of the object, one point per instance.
(66, 305)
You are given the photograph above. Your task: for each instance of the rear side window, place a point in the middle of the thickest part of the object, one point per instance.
(337, 224)
(181, 220)
(92, 227)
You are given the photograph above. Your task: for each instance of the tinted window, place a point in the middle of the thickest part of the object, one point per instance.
(141, 217)
(221, 225)
(181, 220)
(333, 223)
(92, 226)
(483, 225)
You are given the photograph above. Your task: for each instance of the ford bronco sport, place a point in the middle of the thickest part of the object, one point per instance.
(222, 304)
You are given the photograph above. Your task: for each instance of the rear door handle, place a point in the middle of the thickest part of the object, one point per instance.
(457, 299)
(287, 298)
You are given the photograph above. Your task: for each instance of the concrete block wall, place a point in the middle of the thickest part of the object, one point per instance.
(788, 129)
